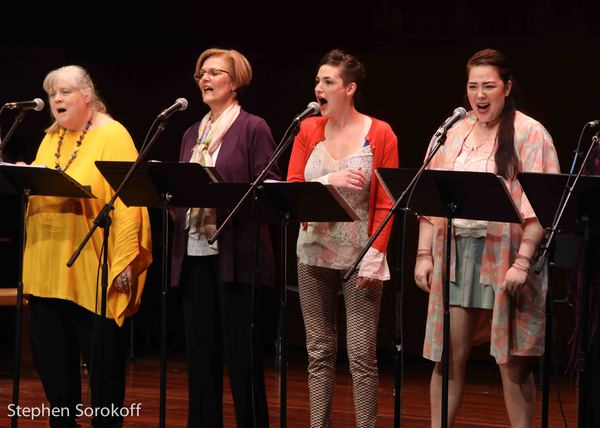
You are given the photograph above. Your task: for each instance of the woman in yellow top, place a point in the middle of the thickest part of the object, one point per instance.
(65, 302)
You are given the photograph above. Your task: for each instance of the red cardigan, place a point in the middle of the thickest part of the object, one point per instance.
(384, 144)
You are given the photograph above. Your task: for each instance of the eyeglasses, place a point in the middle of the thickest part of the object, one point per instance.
(212, 72)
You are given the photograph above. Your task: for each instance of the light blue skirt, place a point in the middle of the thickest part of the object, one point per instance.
(467, 291)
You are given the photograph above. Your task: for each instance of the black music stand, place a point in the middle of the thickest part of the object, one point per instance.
(452, 194)
(544, 193)
(26, 181)
(299, 201)
(165, 185)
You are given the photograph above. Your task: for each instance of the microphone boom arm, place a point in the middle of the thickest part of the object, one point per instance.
(11, 130)
(541, 260)
(101, 218)
(440, 142)
(279, 150)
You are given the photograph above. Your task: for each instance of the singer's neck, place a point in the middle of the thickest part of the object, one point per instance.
(344, 118)
(217, 110)
(482, 133)
(100, 119)
(79, 123)
(489, 126)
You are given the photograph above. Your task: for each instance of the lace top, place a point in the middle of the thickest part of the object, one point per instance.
(336, 245)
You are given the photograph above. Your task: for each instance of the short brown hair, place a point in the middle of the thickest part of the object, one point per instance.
(352, 69)
(241, 71)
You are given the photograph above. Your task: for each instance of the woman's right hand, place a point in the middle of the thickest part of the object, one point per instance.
(350, 178)
(423, 273)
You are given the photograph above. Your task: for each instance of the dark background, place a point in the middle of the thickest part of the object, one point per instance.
(415, 53)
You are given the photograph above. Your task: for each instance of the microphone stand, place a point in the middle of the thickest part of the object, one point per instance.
(12, 129)
(399, 329)
(440, 142)
(577, 152)
(398, 346)
(253, 190)
(19, 307)
(583, 313)
(281, 147)
(545, 370)
(567, 192)
(104, 221)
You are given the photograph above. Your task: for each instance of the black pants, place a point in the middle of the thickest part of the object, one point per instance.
(60, 333)
(217, 319)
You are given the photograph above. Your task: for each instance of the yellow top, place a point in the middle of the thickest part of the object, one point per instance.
(56, 226)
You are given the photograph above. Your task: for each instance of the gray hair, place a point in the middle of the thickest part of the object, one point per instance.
(82, 82)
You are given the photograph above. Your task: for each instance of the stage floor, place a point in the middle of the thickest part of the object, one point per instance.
(483, 405)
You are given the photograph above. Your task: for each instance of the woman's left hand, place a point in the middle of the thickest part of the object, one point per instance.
(514, 280)
(364, 282)
(122, 282)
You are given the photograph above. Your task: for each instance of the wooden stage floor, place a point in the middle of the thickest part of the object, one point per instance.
(483, 404)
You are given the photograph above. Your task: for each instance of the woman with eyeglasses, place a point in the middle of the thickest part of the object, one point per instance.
(215, 279)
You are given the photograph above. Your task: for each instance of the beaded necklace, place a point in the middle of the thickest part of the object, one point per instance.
(75, 150)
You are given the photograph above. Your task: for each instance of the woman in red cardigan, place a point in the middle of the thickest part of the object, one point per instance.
(343, 148)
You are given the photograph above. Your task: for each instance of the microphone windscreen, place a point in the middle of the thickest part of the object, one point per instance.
(183, 102)
(39, 104)
(315, 106)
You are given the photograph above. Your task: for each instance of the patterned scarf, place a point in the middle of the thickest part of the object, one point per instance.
(210, 135)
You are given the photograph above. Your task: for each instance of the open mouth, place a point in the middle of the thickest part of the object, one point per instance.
(321, 101)
(61, 110)
(483, 107)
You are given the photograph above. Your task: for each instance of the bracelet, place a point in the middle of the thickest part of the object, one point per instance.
(424, 256)
(521, 268)
(423, 251)
(521, 256)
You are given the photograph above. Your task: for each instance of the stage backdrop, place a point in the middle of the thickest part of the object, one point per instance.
(415, 57)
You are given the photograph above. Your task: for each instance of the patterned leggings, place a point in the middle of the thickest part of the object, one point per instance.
(318, 289)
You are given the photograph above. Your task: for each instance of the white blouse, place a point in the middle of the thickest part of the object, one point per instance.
(336, 245)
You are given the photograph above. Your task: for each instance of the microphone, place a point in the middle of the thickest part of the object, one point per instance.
(180, 104)
(312, 109)
(458, 114)
(35, 104)
(576, 152)
(593, 124)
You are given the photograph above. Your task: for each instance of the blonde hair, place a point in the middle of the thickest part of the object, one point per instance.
(241, 71)
(82, 81)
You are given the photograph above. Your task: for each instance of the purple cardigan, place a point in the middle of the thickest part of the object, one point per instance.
(245, 151)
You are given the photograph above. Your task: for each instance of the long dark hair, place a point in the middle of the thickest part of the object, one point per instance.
(506, 158)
